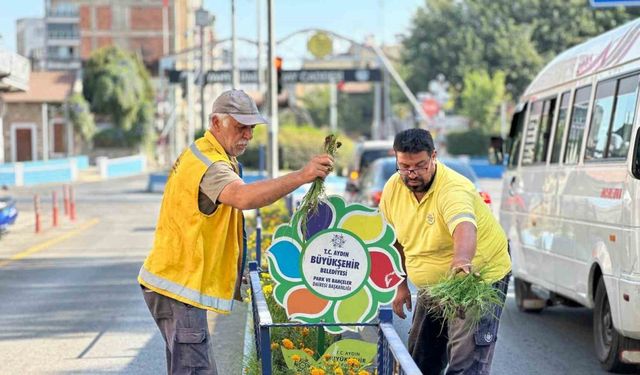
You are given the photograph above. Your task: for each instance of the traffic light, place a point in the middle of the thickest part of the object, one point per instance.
(278, 64)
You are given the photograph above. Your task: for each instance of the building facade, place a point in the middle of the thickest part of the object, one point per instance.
(30, 41)
(35, 122)
(149, 28)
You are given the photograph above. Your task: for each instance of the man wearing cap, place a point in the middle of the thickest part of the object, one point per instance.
(196, 261)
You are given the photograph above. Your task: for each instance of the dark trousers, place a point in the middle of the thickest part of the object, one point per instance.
(186, 335)
(434, 343)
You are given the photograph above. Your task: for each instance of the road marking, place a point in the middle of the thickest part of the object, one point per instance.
(51, 242)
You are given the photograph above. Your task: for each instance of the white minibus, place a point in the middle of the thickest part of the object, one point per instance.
(571, 193)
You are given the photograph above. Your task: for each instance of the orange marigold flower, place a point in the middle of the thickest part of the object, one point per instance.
(338, 371)
(308, 351)
(352, 362)
(317, 371)
(295, 358)
(363, 372)
(287, 344)
(274, 346)
(327, 357)
(305, 331)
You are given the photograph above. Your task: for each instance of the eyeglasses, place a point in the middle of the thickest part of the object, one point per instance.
(416, 171)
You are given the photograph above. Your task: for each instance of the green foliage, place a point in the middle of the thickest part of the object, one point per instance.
(81, 117)
(297, 145)
(116, 83)
(513, 36)
(481, 98)
(317, 103)
(473, 142)
(355, 111)
(467, 296)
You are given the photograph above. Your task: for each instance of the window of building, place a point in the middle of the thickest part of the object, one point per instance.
(577, 124)
(560, 126)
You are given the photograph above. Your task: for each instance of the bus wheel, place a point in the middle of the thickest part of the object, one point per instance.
(526, 300)
(609, 344)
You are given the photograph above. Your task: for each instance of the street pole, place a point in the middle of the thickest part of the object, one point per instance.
(375, 124)
(259, 39)
(165, 27)
(202, 20)
(333, 106)
(235, 74)
(190, 114)
(203, 119)
(273, 95)
(387, 128)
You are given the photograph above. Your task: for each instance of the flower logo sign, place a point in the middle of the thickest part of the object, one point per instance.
(340, 270)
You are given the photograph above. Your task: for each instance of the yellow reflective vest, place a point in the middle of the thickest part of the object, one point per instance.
(194, 258)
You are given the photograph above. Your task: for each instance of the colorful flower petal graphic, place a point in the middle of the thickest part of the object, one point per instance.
(383, 275)
(369, 227)
(342, 272)
(301, 302)
(287, 258)
(320, 220)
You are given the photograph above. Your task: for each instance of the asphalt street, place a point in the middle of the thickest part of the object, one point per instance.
(71, 304)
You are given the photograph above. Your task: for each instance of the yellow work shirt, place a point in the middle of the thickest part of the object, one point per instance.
(425, 228)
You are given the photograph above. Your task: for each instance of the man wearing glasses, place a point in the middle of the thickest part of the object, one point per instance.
(196, 261)
(442, 225)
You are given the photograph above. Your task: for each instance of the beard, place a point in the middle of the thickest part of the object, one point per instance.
(416, 185)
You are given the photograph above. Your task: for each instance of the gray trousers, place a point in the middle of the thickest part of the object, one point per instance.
(433, 343)
(186, 335)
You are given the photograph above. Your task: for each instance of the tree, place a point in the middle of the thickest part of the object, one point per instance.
(481, 98)
(81, 117)
(355, 111)
(514, 36)
(116, 83)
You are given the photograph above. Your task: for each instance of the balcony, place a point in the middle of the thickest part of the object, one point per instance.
(54, 63)
(63, 16)
(63, 38)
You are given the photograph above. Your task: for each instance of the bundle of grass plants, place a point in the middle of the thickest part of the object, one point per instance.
(310, 201)
(465, 296)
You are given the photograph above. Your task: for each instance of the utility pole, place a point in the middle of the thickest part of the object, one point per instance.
(235, 74)
(259, 39)
(202, 20)
(273, 95)
(333, 106)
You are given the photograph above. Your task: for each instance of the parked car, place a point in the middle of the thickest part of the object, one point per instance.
(381, 170)
(366, 153)
(8, 212)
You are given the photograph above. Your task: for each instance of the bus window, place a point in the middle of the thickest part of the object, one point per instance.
(600, 120)
(623, 117)
(562, 122)
(576, 125)
(530, 133)
(542, 142)
(515, 136)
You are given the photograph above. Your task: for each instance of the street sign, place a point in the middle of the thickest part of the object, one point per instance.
(289, 76)
(614, 3)
(430, 106)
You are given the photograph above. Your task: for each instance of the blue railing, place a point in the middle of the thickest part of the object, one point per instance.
(393, 357)
(41, 172)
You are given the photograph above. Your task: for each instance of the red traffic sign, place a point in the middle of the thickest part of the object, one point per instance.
(430, 106)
